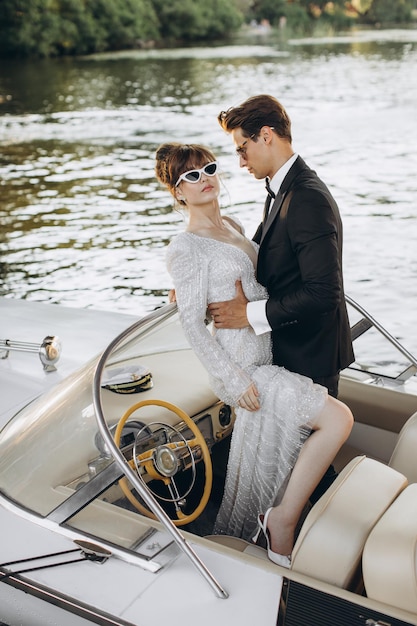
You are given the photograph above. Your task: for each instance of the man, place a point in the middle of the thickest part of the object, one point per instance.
(300, 253)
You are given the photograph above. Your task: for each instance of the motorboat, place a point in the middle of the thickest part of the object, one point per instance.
(113, 453)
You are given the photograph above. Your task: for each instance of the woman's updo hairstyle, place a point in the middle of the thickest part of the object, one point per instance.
(173, 159)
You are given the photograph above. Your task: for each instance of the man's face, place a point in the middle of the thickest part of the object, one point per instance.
(253, 153)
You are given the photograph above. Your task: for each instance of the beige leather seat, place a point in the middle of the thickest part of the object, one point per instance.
(390, 554)
(404, 456)
(330, 544)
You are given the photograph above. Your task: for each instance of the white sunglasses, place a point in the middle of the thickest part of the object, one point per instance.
(193, 176)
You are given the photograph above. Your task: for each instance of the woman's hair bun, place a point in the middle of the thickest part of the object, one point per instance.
(164, 156)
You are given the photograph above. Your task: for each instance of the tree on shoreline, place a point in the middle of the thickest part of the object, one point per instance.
(57, 27)
(46, 28)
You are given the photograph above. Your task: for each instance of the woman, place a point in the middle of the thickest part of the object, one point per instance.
(273, 465)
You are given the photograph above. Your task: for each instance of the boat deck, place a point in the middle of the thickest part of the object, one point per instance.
(31, 322)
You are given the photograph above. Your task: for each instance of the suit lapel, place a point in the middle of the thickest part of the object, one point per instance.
(297, 168)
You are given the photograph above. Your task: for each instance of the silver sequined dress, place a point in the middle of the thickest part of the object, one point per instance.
(265, 444)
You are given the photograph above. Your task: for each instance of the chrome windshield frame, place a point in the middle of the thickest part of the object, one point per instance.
(366, 323)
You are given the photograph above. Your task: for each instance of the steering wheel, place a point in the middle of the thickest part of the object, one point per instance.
(164, 461)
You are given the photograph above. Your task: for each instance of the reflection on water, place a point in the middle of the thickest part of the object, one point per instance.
(84, 222)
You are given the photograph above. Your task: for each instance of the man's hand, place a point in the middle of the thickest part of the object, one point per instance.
(231, 313)
(172, 297)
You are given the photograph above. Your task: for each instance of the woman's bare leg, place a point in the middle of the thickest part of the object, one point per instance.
(330, 430)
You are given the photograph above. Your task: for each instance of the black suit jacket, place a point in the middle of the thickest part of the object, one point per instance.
(300, 264)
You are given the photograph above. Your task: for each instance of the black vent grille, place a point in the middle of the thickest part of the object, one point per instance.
(309, 607)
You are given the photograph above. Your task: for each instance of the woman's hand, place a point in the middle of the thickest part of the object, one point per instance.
(250, 399)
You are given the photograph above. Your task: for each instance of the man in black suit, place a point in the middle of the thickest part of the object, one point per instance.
(300, 254)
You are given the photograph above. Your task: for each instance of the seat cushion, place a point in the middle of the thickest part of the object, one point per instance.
(390, 554)
(404, 458)
(330, 544)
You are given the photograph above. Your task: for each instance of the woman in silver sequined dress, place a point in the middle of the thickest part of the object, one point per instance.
(274, 465)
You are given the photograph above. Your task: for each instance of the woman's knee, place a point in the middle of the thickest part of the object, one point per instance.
(336, 416)
(344, 415)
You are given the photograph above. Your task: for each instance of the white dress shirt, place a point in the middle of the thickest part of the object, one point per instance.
(256, 311)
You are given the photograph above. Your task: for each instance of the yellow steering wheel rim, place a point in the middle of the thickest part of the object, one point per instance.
(199, 440)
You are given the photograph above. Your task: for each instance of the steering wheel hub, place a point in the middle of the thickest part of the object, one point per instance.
(166, 461)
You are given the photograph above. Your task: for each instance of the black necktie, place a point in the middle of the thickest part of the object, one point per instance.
(268, 188)
(269, 198)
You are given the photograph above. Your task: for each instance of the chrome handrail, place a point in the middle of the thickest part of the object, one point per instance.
(155, 317)
(368, 322)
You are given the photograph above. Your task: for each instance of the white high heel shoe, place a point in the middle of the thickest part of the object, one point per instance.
(278, 559)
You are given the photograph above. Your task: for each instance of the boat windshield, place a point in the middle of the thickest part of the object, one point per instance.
(57, 459)
(53, 448)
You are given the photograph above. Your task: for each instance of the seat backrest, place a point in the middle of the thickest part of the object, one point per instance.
(389, 559)
(404, 457)
(330, 544)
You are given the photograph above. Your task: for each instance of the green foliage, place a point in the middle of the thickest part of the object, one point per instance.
(335, 18)
(192, 20)
(52, 27)
(271, 10)
(123, 23)
(389, 12)
(23, 26)
(301, 15)
(298, 19)
(55, 27)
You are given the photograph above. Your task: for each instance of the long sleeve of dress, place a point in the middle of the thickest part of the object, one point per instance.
(189, 269)
(265, 444)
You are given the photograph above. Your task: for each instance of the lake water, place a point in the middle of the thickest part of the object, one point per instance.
(84, 222)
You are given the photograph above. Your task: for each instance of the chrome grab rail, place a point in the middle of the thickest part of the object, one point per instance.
(154, 318)
(368, 322)
(49, 350)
